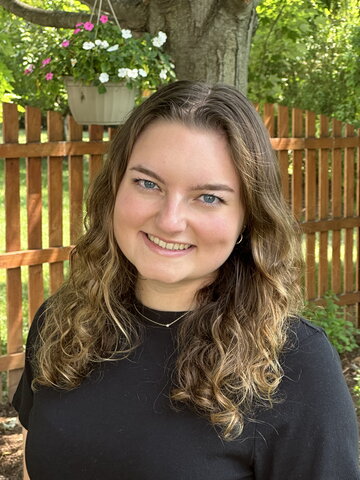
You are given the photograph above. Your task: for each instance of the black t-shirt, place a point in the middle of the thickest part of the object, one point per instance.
(119, 425)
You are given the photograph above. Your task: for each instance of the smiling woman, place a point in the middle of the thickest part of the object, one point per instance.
(179, 233)
(175, 349)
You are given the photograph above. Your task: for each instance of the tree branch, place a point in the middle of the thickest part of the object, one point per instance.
(130, 13)
(47, 18)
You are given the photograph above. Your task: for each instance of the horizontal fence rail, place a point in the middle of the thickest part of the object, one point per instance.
(46, 172)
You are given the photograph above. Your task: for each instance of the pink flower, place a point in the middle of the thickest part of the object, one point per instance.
(49, 76)
(46, 61)
(65, 43)
(88, 26)
(79, 25)
(77, 30)
(29, 69)
(104, 18)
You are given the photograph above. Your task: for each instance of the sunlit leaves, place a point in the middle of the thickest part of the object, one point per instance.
(305, 54)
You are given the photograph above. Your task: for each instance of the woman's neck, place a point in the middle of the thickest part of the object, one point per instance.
(169, 298)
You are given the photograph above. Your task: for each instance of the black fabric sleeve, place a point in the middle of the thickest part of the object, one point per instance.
(23, 397)
(312, 434)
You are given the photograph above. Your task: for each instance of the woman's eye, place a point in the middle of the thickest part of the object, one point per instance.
(211, 199)
(146, 184)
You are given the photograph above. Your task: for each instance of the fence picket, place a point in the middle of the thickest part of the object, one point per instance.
(283, 155)
(336, 182)
(310, 208)
(297, 128)
(269, 119)
(12, 219)
(76, 186)
(96, 133)
(349, 211)
(55, 171)
(323, 207)
(34, 206)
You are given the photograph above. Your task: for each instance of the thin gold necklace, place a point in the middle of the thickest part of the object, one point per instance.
(161, 324)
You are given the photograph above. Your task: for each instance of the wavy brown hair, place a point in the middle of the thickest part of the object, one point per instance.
(228, 348)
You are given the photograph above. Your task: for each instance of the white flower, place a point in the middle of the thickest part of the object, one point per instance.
(103, 77)
(88, 45)
(104, 44)
(159, 40)
(113, 48)
(98, 42)
(163, 74)
(142, 72)
(162, 36)
(122, 72)
(132, 73)
(126, 33)
(73, 61)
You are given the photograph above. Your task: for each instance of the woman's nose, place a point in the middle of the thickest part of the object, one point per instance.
(171, 217)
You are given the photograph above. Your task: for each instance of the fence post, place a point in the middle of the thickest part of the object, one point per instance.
(12, 215)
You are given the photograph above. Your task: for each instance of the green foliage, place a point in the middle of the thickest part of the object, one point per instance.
(357, 390)
(332, 318)
(24, 44)
(25, 41)
(306, 54)
(97, 54)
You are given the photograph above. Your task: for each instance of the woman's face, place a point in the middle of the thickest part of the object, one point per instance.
(178, 212)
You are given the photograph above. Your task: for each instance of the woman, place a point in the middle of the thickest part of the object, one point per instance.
(174, 350)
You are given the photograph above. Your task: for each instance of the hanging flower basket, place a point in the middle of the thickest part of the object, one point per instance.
(89, 107)
(105, 67)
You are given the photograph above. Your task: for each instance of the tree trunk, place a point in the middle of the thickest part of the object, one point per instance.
(209, 40)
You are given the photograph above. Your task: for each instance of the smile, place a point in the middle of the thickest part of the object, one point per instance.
(166, 245)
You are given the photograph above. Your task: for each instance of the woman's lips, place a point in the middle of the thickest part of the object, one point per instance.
(162, 250)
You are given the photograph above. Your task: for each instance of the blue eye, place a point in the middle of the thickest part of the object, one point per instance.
(145, 184)
(148, 184)
(210, 199)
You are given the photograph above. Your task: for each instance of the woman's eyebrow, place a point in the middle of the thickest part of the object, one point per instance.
(146, 171)
(216, 187)
(213, 186)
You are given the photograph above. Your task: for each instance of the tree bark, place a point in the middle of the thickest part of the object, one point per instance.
(209, 40)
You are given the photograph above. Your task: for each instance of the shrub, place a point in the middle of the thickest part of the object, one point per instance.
(333, 319)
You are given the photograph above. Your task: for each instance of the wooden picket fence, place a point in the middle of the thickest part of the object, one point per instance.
(320, 169)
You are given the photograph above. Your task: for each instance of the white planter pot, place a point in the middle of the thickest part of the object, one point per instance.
(89, 107)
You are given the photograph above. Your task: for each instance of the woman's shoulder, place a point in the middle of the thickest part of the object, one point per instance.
(36, 324)
(302, 332)
(308, 356)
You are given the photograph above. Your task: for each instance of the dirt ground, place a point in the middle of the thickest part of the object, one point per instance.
(11, 437)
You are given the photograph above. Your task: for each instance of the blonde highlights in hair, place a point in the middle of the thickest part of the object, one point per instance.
(228, 348)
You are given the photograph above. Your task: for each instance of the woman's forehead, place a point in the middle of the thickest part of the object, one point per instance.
(172, 148)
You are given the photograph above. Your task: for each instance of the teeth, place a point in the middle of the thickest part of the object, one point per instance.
(168, 246)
